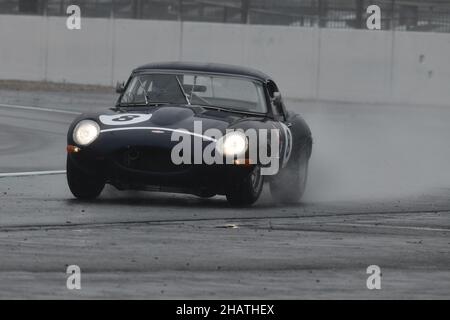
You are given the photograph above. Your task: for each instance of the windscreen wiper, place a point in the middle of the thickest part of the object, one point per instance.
(143, 90)
(233, 110)
(183, 92)
(147, 104)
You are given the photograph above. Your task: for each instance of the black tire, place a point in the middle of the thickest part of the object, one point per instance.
(81, 185)
(245, 192)
(290, 184)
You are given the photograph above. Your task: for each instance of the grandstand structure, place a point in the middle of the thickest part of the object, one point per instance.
(405, 15)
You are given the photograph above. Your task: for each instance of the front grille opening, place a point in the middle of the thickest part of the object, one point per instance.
(148, 159)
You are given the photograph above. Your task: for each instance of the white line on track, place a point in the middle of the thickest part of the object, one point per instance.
(388, 227)
(32, 173)
(11, 106)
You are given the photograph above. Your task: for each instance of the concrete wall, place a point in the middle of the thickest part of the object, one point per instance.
(22, 48)
(308, 63)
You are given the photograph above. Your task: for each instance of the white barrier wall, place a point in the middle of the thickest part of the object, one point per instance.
(421, 69)
(287, 54)
(354, 65)
(22, 48)
(308, 63)
(139, 42)
(81, 55)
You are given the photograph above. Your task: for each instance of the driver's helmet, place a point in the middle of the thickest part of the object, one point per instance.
(165, 83)
(166, 88)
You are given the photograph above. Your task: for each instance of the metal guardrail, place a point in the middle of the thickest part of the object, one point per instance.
(414, 15)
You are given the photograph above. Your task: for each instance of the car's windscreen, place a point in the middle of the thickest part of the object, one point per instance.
(209, 90)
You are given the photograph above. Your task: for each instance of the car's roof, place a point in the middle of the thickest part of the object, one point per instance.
(205, 67)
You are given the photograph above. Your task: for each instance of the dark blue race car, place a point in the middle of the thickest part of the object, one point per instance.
(203, 129)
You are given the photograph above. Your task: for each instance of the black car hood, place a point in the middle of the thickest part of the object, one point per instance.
(170, 117)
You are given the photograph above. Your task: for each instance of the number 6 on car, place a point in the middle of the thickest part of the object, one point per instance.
(124, 119)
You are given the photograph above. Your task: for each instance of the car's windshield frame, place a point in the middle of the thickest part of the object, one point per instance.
(265, 104)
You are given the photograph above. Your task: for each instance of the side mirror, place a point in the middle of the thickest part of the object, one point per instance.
(120, 87)
(276, 100)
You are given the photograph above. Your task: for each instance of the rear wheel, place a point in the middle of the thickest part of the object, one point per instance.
(290, 184)
(82, 185)
(245, 192)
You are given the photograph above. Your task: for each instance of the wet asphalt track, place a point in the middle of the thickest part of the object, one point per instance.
(378, 193)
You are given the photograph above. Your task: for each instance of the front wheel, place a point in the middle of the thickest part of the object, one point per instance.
(245, 192)
(290, 184)
(81, 185)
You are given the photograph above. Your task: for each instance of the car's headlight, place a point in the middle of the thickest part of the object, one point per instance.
(234, 143)
(85, 132)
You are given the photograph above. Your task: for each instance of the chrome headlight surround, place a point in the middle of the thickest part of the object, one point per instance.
(86, 132)
(232, 144)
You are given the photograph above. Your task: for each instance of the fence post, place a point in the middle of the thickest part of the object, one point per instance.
(393, 15)
(135, 9)
(180, 10)
(245, 8)
(322, 12)
(359, 13)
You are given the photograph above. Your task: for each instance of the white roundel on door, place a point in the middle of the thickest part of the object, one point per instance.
(124, 119)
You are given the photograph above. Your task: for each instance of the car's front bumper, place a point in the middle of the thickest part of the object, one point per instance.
(141, 169)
